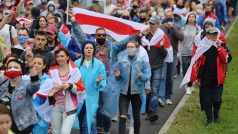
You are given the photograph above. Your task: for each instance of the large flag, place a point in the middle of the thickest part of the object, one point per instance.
(155, 42)
(117, 28)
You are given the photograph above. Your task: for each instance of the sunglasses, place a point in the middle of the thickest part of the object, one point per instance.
(152, 23)
(101, 35)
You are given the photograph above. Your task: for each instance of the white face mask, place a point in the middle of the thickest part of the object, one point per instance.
(131, 51)
(154, 13)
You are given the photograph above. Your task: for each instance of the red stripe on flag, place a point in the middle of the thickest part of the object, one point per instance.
(112, 25)
(64, 29)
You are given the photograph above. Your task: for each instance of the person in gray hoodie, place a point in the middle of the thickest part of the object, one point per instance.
(175, 34)
(190, 30)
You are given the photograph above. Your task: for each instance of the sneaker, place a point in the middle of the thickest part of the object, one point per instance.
(168, 102)
(175, 76)
(115, 118)
(131, 130)
(188, 90)
(161, 102)
(153, 117)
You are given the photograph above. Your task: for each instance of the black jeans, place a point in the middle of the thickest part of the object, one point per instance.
(211, 98)
(186, 61)
(124, 101)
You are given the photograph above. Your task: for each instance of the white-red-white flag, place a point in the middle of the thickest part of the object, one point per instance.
(24, 20)
(155, 42)
(64, 29)
(117, 28)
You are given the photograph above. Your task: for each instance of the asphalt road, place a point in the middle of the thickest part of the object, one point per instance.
(164, 113)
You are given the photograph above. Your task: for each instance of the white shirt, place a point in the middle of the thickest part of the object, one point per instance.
(108, 9)
(5, 33)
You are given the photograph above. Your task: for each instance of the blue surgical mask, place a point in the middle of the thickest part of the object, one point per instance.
(23, 11)
(131, 51)
(22, 39)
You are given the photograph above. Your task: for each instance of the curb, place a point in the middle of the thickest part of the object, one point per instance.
(172, 117)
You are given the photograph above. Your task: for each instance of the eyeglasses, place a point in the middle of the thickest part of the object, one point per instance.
(101, 35)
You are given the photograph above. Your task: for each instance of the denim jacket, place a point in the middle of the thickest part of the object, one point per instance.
(21, 102)
(132, 67)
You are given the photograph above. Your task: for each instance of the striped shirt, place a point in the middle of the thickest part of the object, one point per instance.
(59, 96)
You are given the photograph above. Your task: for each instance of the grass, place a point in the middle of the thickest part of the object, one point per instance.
(190, 120)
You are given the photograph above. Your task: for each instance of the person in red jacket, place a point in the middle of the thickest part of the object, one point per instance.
(209, 72)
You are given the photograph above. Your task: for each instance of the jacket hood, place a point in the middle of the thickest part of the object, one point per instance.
(211, 20)
(188, 14)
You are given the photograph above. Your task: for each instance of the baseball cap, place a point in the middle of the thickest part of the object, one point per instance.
(29, 2)
(51, 29)
(154, 19)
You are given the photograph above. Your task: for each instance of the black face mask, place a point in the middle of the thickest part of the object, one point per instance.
(134, 7)
(142, 20)
(101, 41)
(207, 13)
(180, 6)
(125, 17)
(164, 5)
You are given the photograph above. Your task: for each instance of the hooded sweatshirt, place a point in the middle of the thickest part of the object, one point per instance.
(189, 35)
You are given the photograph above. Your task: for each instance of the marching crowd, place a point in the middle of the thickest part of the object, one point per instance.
(56, 77)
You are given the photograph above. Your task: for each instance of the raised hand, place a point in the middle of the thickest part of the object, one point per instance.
(29, 56)
(65, 86)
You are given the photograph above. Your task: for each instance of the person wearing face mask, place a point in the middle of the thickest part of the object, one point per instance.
(208, 71)
(130, 75)
(175, 34)
(134, 10)
(199, 9)
(208, 14)
(106, 52)
(51, 8)
(19, 92)
(126, 15)
(23, 39)
(143, 17)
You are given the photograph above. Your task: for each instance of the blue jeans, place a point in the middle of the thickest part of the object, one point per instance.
(158, 81)
(169, 81)
(103, 122)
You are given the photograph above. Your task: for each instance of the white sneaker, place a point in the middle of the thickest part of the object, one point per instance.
(188, 90)
(161, 102)
(131, 130)
(115, 118)
(168, 102)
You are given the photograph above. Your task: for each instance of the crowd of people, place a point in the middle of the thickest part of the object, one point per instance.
(55, 77)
